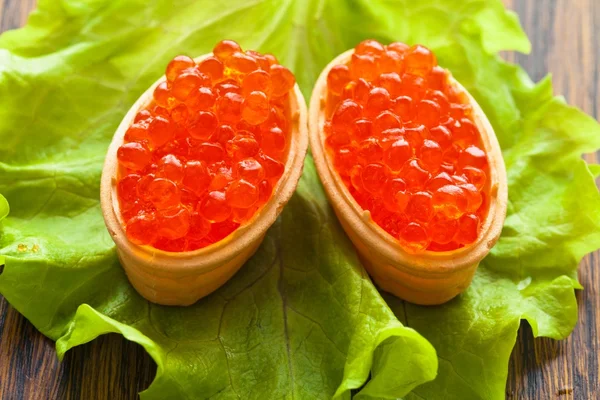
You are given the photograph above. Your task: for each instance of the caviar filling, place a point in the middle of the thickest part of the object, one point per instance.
(205, 155)
(403, 141)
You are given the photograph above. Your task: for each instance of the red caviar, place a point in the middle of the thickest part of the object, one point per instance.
(205, 155)
(403, 141)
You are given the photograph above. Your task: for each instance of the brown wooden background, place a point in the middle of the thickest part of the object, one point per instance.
(566, 42)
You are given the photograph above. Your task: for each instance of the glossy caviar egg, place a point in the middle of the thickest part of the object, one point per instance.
(134, 156)
(206, 154)
(405, 146)
(338, 78)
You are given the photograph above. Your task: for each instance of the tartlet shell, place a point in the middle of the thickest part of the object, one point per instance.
(430, 277)
(183, 278)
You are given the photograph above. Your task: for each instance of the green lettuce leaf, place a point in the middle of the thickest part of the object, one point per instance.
(301, 319)
(4, 209)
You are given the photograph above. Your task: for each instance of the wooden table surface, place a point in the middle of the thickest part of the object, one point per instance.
(565, 35)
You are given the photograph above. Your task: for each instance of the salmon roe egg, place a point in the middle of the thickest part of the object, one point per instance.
(134, 156)
(206, 154)
(225, 49)
(403, 141)
(177, 66)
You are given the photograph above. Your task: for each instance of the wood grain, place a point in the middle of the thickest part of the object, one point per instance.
(565, 35)
(108, 368)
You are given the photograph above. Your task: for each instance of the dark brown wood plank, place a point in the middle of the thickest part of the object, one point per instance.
(108, 368)
(566, 42)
